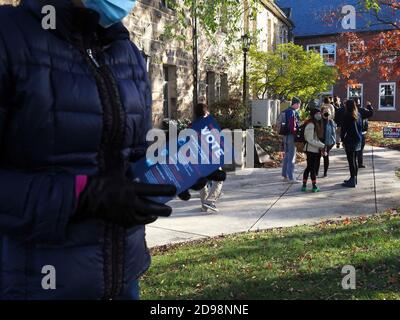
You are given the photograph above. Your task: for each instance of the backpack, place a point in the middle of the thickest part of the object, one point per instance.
(282, 126)
(299, 138)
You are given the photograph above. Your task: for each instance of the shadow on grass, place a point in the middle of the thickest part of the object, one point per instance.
(326, 284)
(304, 263)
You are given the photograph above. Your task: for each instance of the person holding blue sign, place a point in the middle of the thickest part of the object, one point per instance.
(75, 108)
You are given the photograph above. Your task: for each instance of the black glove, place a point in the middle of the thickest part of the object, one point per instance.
(218, 175)
(118, 200)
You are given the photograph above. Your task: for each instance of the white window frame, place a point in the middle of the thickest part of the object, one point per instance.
(387, 60)
(362, 42)
(321, 50)
(394, 96)
(362, 92)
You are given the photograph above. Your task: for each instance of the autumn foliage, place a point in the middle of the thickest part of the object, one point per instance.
(380, 52)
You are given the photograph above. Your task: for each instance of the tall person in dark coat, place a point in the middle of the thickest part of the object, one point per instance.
(75, 108)
(351, 134)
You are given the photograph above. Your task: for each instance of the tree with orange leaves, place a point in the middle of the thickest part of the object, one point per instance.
(382, 51)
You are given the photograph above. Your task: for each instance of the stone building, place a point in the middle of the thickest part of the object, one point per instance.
(171, 65)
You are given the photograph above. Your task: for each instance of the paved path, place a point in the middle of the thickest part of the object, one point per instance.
(259, 199)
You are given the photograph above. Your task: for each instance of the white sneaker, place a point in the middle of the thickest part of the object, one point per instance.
(294, 181)
(210, 206)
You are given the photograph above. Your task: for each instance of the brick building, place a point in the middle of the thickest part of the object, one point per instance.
(315, 31)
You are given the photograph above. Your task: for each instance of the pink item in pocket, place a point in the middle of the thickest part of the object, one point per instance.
(80, 184)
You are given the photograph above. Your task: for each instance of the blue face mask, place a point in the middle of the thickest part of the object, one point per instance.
(110, 11)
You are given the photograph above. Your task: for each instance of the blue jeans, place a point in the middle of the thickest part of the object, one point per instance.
(131, 292)
(289, 161)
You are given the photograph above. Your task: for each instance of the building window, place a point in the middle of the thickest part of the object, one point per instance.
(211, 94)
(387, 96)
(326, 94)
(168, 4)
(224, 19)
(326, 50)
(355, 51)
(269, 35)
(224, 96)
(284, 35)
(356, 92)
(169, 92)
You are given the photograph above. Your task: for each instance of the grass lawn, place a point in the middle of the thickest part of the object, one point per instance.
(293, 263)
(375, 135)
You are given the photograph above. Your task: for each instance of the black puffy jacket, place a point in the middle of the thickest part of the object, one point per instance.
(73, 101)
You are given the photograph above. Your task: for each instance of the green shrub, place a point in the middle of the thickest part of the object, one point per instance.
(230, 114)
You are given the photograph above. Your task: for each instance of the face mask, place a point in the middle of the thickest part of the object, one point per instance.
(318, 117)
(326, 115)
(110, 11)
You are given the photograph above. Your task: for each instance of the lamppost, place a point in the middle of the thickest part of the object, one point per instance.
(195, 55)
(246, 47)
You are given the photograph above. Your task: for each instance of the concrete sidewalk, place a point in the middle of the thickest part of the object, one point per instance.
(259, 199)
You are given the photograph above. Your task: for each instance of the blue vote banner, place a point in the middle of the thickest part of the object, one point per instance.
(196, 155)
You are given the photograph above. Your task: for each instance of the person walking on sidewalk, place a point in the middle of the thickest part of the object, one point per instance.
(351, 134)
(213, 189)
(289, 147)
(329, 137)
(313, 147)
(210, 194)
(366, 113)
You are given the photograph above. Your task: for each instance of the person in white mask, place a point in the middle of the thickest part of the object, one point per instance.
(313, 133)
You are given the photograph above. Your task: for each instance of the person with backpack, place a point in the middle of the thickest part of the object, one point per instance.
(329, 137)
(366, 113)
(351, 134)
(288, 124)
(313, 132)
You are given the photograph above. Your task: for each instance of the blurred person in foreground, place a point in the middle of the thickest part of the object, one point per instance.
(75, 108)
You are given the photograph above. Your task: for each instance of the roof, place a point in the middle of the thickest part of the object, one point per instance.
(278, 12)
(315, 18)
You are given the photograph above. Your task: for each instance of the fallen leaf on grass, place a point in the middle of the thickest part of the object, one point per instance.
(268, 265)
(346, 221)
